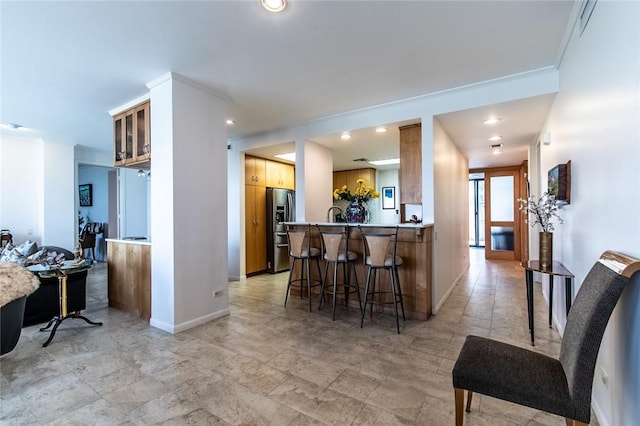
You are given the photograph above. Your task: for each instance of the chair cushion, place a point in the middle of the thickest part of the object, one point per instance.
(342, 258)
(513, 374)
(312, 252)
(388, 261)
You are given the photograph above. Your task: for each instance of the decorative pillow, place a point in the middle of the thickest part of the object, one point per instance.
(27, 248)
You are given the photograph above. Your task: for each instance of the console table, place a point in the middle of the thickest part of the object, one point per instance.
(61, 272)
(557, 269)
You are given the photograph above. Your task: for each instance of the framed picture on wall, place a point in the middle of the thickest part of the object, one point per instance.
(388, 197)
(86, 195)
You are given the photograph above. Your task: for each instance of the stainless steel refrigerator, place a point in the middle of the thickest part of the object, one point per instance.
(280, 208)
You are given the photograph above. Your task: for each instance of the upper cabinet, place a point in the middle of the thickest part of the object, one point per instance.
(280, 175)
(410, 176)
(254, 171)
(132, 136)
(350, 177)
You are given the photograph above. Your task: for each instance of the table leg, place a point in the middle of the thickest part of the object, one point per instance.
(568, 292)
(529, 285)
(550, 299)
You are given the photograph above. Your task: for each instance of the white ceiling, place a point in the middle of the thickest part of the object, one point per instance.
(64, 65)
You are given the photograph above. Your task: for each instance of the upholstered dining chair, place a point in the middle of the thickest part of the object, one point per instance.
(558, 386)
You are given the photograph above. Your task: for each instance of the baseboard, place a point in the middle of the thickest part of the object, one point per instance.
(450, 290)
(174, 329)
(236, 278)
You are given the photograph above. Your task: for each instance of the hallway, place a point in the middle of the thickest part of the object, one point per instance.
(266, 364)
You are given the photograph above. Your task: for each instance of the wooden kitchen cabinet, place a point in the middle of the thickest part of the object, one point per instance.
(410, 175)
(254, 171)
(350, 177)
(280, 175)
(132, 137)
(255, 229)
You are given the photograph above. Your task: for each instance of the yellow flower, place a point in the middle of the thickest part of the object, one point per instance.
(360, 181)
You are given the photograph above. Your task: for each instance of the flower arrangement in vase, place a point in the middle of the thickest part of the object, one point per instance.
(542, 212)
(356, 211)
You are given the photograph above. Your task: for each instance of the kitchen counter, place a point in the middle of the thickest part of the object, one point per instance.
(129, 275)
(130, 241)
(414, 246)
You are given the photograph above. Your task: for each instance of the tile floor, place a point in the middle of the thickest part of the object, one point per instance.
(266, 364)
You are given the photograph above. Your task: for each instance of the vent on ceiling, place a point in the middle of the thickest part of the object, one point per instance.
(360, 160)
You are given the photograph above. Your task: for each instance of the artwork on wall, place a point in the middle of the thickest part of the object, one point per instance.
(559, 183)
(388, 197)
(86, 195)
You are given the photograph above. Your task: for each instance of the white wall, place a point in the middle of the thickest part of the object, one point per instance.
(314, 182)
(451, 212)
(387, 178)
(595, 123)
(134, 203)
(38, 177)
(21, 181)
(188, 215)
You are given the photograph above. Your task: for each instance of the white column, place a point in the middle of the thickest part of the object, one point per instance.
(188, 204)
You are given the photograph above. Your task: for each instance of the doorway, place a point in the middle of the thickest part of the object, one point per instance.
(476, 210)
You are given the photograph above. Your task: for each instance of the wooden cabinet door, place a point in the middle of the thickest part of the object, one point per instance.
(119, 140)
(255, 229)
(279, 175)
(142, 130)
(254, 171)
(339, 179)
(410, 176)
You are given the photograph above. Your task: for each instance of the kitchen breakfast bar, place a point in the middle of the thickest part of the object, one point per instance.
(413, 246)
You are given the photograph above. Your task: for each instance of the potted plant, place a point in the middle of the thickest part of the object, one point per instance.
(541, 212)
(356, 211)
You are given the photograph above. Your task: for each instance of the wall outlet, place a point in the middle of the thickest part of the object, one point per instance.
(217, 293)
(30, 231)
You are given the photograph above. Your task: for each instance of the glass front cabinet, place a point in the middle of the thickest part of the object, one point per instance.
(132, 136)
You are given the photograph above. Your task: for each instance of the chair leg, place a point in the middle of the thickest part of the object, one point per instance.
(395, 270)
(308, 282)
(355, 276)
(469, 395)
(395, 299)
(286, 297)
(571, 422)
(324, 282)
(459, 400)
(335, 288)
(366, 297)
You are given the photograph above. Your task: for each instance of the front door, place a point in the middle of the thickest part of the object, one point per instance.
(501, 210)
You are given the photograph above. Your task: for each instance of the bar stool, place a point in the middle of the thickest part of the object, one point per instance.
(379, 252)
(335, 248)
(300, 250)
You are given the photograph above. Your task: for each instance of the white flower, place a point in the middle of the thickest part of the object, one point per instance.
(541, 211)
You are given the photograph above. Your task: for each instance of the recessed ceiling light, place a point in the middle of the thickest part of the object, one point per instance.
(273, 6)
(345, 136)
(385, 162)
(381, 129)
(495, 138)
(491, 121)
(230, 122)
(291, 156)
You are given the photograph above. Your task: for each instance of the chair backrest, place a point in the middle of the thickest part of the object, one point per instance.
(334, 242)
(87, 238)
(299, 242)
(586, 323)
(379, 248)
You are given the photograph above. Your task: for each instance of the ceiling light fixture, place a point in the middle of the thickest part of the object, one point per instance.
(230, 122)
(495, 138)
(141, 173)
(381, 129)
(345, 136)
(273, 6)
(13, 126)
(385, 162)
(496, 148)
(491, 121)
(291, 156)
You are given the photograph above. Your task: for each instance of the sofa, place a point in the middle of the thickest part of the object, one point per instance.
(44, 303)
(16, 283)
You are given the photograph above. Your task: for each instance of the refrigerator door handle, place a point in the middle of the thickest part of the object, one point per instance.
(289, 207)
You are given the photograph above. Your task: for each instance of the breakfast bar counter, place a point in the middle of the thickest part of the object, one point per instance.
(414, 246)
